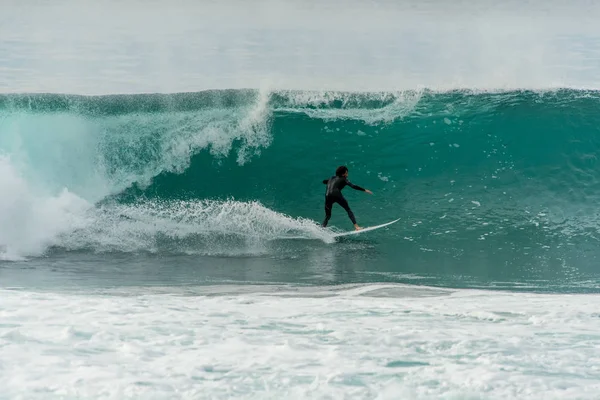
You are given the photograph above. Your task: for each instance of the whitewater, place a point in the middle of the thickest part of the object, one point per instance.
(161, 191)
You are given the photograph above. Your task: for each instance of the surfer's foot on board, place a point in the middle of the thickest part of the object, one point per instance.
(357, 228)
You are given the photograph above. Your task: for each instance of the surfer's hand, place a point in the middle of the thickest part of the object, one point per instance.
(368, 191)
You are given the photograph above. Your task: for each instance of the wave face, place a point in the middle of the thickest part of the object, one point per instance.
(501, 180)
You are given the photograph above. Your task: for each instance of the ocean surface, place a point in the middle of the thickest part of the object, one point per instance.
(161, 194)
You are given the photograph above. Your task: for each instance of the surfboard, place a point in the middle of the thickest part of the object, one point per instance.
(363, 230)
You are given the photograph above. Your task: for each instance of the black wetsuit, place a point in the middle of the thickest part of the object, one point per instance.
(335, 184)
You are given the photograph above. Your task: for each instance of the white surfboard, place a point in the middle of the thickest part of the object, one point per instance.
(363, 230)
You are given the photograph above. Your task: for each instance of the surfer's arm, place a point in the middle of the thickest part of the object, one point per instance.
(325, 181)
(355, 187)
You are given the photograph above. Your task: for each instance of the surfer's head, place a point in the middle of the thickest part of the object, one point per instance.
(341, 171)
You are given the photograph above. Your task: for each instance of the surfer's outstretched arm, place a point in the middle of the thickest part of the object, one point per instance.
(325, 181)
(356, 187)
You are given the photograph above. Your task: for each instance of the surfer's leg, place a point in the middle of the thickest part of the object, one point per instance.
(328, 204)
(342, 202)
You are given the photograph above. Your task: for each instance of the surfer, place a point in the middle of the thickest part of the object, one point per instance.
(335, 184)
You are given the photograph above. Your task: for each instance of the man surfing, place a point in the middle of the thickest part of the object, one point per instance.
(335, 184)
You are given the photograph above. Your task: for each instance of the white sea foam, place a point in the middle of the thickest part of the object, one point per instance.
(365, 342)
(30, 222)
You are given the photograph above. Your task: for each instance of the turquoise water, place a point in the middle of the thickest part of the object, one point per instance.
(493, 189)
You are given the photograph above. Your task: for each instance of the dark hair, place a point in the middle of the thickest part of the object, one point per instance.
(340, 171)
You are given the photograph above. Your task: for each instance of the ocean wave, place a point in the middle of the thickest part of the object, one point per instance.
(458, 166)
